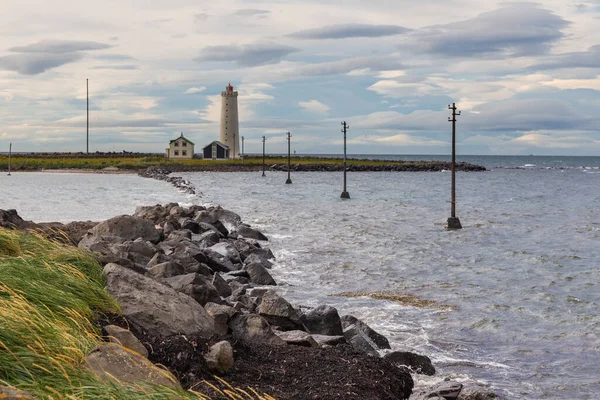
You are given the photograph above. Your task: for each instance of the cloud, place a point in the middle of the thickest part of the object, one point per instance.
(194, 90)
(515, 29)
(581, 59)
(246, 55)
(344, 31)
(314, 106)
(33, 64)
(116, 67)
(59, 46)
(250, 12)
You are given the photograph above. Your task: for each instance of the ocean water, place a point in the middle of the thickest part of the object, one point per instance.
(515, 292)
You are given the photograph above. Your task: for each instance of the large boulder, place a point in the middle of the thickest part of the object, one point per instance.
(219, 358)
(278, 312)
(253, 328)
(247, 232)
(128, 228)
(323, 320)
(10, 219)
(349, 321)
(156, 213)
(229, 219)
(221, 315)
(416, 362)
(259, 275)
(164, 270)
(196, 286)
(227, 250)
(125, 338)
(112, 362)
(218, 262)
(156, 307)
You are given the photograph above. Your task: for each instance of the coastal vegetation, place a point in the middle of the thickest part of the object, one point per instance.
(140, 161)
(51, 296)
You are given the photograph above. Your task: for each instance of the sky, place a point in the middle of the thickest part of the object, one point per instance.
(525, 75)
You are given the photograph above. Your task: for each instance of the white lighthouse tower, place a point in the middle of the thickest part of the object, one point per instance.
(229, 134)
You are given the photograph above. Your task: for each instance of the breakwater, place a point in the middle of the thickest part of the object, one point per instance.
(213, 269)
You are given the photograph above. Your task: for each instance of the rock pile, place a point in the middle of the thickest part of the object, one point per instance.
(162, 174)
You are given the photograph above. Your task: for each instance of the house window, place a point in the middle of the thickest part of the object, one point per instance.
(184, 144)
(176, 144)
(184, 153)
(176, 152)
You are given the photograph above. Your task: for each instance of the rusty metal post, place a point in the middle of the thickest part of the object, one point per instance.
(289, 138)
(263, 168)
(453, 222)
(242, 150)
(345, 194)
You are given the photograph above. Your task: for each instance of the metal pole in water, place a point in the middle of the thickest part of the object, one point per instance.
(263, 169)
(345, 194)
(289, 136)
(453, 222)
(242, 150)
(9, 157)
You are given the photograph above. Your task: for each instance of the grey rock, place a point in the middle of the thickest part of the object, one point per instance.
(416, 362)
(159, 258)
(227, 250)
(219, 358)
(278, 312)
(165, 270)
(253, 328)
(169, 227)
(444, 390)
(156, 307)
(325, 340)
(221, 315)
(298, 338)
(207, 239)
(259, 275)
(229, 219)
(221, 285)
(179, 234)
(380, 341)
(112, 362)
(323, 320)
(190, 225)
(128, 228)
(251, 233)
(258, 259)
(125, 338)
(219, 263)
(196, 286)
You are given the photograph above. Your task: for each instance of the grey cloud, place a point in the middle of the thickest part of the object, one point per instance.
(515, 29)
(59, 46)
(121, 123)
(246, 55)
(114, 57)
(380, 63)
(505, 116)
(201, 16)
(117, 67)
(249, 12)
(344, 31)
(33, 64)
(583, 59)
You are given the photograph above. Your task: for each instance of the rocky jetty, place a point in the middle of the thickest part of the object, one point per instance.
(162, 174)
(197, 297)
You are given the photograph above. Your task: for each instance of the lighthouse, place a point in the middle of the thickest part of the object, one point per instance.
(229, 133)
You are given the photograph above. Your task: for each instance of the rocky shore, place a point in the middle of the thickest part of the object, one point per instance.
(197, 297)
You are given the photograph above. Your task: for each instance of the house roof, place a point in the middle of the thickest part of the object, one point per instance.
(217, 142)
(184, 138)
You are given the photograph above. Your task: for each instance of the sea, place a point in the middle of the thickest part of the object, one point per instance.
(509, 304)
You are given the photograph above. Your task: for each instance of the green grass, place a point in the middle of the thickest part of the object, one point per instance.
(50, 294)
(30, 162)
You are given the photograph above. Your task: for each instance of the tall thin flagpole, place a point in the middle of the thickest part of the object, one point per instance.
(87, 134)
(289, 138)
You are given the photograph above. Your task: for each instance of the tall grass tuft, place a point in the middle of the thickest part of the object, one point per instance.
(50, 294)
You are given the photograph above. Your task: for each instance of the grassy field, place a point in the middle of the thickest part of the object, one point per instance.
(50, 296)
(34, 162)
